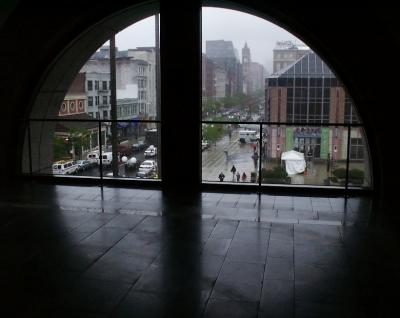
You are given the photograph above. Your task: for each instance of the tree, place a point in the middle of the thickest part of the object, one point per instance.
(60, 148)
(79, 138)
(210, 106)
(212, 132)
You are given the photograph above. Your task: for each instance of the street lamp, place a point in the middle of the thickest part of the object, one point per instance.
(124, 160)
(278, 149)
(72, 151)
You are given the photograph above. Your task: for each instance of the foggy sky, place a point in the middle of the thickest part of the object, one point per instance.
(219, 24)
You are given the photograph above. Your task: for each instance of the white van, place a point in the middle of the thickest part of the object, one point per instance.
(106, 158)
(93, 157)
(65, 167)
(247, 135)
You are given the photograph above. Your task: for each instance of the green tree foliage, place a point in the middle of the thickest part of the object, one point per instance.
(212, 132)
(275, 173)
(210, 107)
(79, 137)
(340, 173)
(61, 148)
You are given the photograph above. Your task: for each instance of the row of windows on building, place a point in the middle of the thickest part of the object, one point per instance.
(142, 82)
(97, 85)
(316, 110)
(122, 111)
(97, 114)
(95, 100)
(306, 81)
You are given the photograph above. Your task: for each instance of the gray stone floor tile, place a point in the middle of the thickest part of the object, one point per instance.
(277, 299)
(230, 309)
(245, 287)
(247, 252)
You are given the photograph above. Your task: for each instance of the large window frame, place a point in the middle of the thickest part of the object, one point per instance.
(100, 120)
(189, 14)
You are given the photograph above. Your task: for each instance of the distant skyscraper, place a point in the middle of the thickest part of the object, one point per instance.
(253, 73)
(225, 58)
(246, 65)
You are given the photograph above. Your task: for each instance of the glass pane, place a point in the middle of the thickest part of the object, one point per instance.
(230, 153)
(234, 66)
(359, 165)
(72, 148)
(306, 155)
(137, 150)
(136, 71)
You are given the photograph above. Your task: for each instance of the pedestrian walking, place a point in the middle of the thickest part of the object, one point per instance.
(237, 176)
(233, 170)
(244, 177)
(221, 176)
(226, 155)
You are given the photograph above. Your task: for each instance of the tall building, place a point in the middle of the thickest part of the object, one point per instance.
(257, 72)
(208, 76)
(226, 57)
(136, 69)
(98, 90)
(253, 72)
(246, 66)
(287, 52)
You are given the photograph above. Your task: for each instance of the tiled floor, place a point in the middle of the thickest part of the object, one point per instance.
(70, 251)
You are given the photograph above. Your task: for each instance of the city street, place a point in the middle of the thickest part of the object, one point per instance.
(226, 153)
(123, 173)
(215, 160)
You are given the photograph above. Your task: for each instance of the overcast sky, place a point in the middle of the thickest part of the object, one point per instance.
(219, 24)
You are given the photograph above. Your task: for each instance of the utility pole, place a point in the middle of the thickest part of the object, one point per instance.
(114, 141)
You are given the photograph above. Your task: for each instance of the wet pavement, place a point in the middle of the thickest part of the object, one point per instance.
(228, 152)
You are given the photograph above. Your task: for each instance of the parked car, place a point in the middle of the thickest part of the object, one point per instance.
(147, 169)
(138, 147)
(204, 144)
(151, 151)
(93, 157)
(84, 164)
(106, 158)
(65, 167)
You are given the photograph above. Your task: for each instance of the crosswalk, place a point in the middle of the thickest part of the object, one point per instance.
(223, 155)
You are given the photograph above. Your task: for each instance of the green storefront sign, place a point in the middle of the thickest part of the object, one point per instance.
(289, 139)
(324, 143)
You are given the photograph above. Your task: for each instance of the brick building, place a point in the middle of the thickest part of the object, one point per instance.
(308, 92)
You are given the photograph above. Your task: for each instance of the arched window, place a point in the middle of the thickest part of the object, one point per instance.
(270, 107)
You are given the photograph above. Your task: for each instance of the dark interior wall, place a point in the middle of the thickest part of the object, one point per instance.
(359, 43)
(35, 37)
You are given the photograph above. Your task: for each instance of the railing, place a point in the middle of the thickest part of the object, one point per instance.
(331, 157)
(264, 142)
(99, 128)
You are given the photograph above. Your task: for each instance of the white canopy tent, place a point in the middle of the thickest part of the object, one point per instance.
(294, 161)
